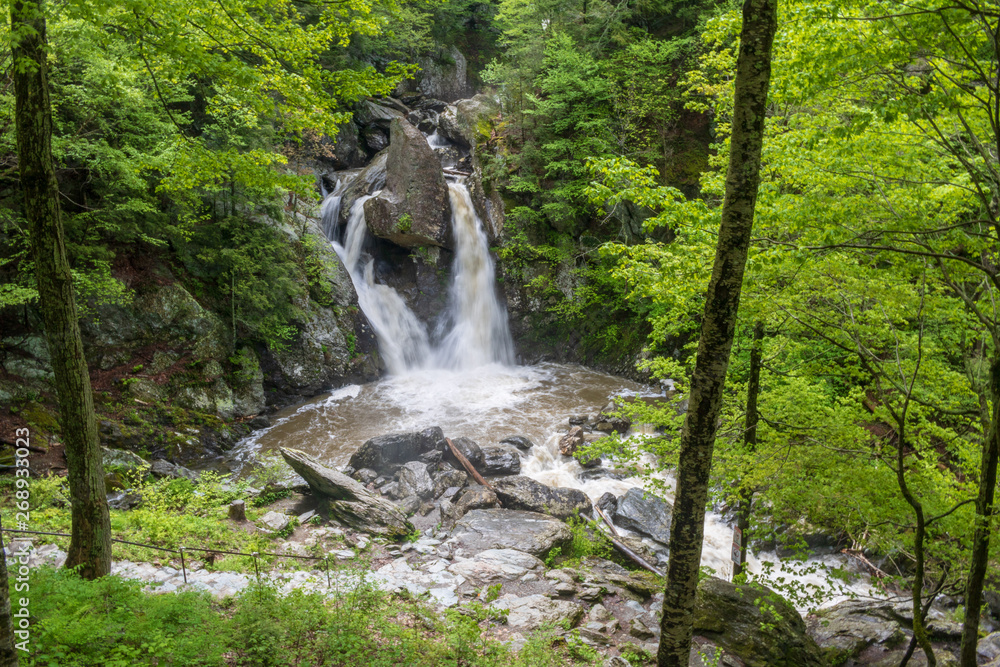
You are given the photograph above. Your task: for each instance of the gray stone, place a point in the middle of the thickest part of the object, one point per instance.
(530, 532)
(449, 479)
(386, 453)
(414, 207)
(347, 500)
(520, 492)
(495, 565)
(600, 614)
(608, 504)
(469, 449)
(365, 475)
(161, 468)
(643, 627)
(275, 521)
(500, 460)
(410, 504)
(443, 75)
(757, 625)
(988, 647)
(644, 513)
(474, 497)
(533, 611)
(519, 441)
(414, 480)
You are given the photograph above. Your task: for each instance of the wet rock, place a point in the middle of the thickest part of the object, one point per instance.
(386, 453)
(609, 424)
(644, 513)
(368, 181)
(643, 627)
(757, 625)
(432, 458)
(519, 441)
(414, 208)
(470, 450)
(988, 647)
(376, 139)
(449, 478)
(608, 504)
(414, 480)
(474, 497)
(529, 532)
(533, 611)
(495, 565)
(409, 504)
(599, 473)
(520, 492)
(500, 460)
(161, 468)
(569, 442)
(124, 500)
(346, 500)
(365, 475)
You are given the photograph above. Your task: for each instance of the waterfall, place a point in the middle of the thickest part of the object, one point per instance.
(479, 333)
(330, 210)
(476, 322)
(402, 338)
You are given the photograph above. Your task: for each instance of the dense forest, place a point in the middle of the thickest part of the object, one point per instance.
(196, 147)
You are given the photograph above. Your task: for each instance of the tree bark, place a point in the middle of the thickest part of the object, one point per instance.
(749, 443)
(753, 73)
(981, 536)
(8, 653)
(90, 545)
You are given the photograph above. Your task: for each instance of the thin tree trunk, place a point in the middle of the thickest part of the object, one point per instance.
(753, 73)
(8, 653)
(981, 535)
(750, 443)
(90, 545)
(917, 591)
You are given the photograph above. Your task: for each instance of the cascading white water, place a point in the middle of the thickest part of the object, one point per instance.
(402, 337)
(479, 332)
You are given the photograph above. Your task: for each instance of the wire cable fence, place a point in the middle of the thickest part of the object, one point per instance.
(255, 555)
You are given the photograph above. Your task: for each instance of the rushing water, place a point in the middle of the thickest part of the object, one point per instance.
(467, 384)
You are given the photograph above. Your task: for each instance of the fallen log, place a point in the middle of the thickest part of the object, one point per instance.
(471, 469)
(628, 553)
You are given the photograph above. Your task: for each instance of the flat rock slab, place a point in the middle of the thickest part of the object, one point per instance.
(534, 611)
(494, 565)
(530, 532)
(347, 500)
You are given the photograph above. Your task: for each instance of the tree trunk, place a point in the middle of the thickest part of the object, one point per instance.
(90, 545)
(8, 653)
(981, 536)
(753, 73)
(750, 443)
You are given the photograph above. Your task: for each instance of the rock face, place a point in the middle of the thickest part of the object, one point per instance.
(443, 76)
(467, 122)
(523, 493)
(533, 611)
(529, 532)
(730, 616)
(500, 460)
(414, 208)
(346, 500)
(386, 453)
(644, 513)
(519, 441)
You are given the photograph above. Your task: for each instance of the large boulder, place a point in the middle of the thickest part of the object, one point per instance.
(414, 481)
(493, 565)
(757, 625)
(366, 182)
(529, 532)
(849, 627)
(533, 611)
(414, 208)
(386, 453)
(523, 493)
(469, 449)
(346, 500)
(519, 441)
(467, 123)
(475, 497)
(443, 75)
(500, 460)
(449, 478)
(644, 513)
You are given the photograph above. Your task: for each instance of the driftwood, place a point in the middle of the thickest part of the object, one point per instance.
(631, 555)
(455, 172)
(468, 465)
